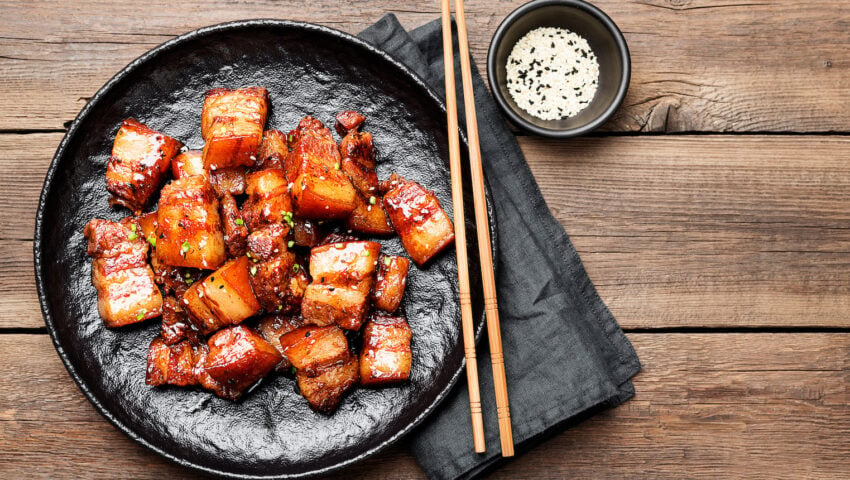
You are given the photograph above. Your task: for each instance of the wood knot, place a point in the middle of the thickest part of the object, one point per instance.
(827, 64)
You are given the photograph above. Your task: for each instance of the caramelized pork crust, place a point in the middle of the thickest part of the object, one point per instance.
(271, 281)
(386, 354)
(140, 159)
(238, 357)
(324, 391)
(124, 281)
(424, 227)
(273, 150)
(228, 181)
(235, 231)
(347, 121)
(170, 364)
(320, 190)
(189, 226)
(176, 325)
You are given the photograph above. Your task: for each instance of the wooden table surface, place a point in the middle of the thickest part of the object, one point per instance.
(713, 215)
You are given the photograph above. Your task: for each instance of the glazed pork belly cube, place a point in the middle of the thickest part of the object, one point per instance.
(347, 121)
(235, 231)
(390, 282)
(268, 199)
(272, 327)
(273, 150)
(176, 325)
(320, 190)
(267, 242)
(189, 226)
(343, 274)
(223, 298)
(126, 292)
(140, 159)
(271, 281)
(238, 357)
(170, 364)
(228, 181)
(232, 123)
(386, 355)
(425, 229)
(325, 390)
(311, 349)
(188, 164)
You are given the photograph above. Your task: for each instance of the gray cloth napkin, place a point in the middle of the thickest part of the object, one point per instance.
(565, 355)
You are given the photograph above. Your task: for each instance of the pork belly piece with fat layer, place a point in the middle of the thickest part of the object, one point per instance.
(424, 227)
(223, 298)
(386, 354)
(310, 348)
(320, 190)
(343, 274)
(140, 159)
(126, 292)
(238, 357)
(189, 226)
(170, 364)
(232, 123)
(390, 282)
(324, 391)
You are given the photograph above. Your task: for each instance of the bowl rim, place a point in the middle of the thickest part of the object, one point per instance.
(610, 26)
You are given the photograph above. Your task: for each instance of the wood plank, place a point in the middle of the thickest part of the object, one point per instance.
(724, 231)
(700, 65)
(712, 405)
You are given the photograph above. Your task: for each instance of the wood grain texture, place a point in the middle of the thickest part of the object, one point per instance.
(675, 231)
(699, 65)
(708, 406)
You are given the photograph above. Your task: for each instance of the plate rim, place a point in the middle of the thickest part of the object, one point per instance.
(49, 180)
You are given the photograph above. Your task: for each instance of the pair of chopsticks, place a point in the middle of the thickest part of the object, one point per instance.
(483, 229)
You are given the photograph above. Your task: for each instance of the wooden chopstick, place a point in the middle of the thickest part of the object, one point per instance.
(484, 248)
(460, 237)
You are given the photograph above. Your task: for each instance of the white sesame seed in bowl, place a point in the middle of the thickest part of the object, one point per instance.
(558, 68)
(552, 73)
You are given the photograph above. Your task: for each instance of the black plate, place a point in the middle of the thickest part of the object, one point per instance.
(271, 433)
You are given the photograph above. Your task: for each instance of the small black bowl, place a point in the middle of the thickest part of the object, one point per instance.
(604, 38)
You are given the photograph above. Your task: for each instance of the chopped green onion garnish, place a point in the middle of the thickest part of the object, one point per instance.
(239, 221)
(373, 200)
(253, 270)
(141, 314)
(152, 240)
(336, 166)
(387, 261)
(291, 243)
(296, 267)
(132, 227)
(185, 247)
(132, 236)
